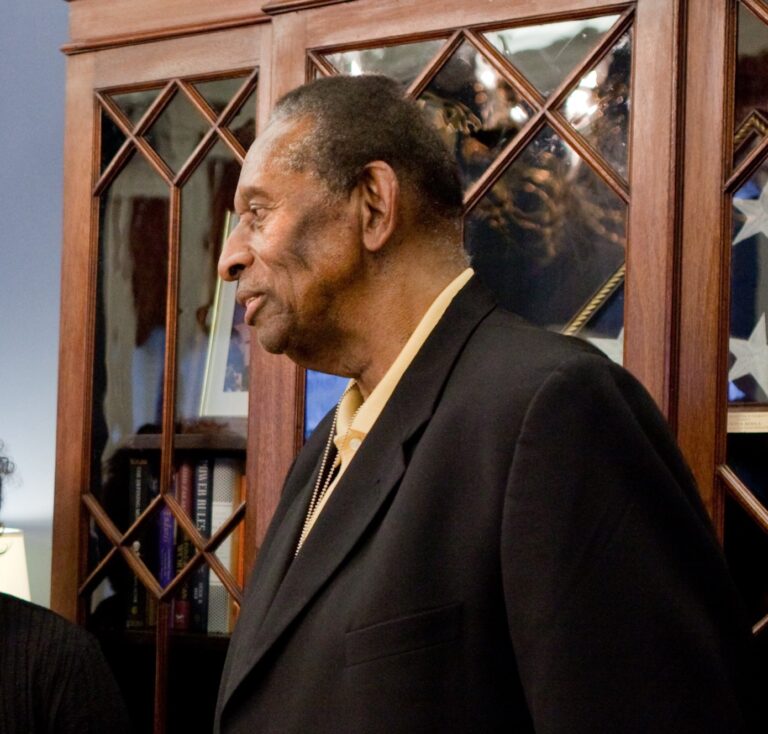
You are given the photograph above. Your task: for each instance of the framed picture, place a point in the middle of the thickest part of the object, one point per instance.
(225, 385)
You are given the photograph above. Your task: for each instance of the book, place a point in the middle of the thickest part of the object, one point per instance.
(139, 482)
(227, 473)
(165, 546)
(202, 518)
(182, 604)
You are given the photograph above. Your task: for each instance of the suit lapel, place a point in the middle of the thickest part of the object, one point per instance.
(372, 476)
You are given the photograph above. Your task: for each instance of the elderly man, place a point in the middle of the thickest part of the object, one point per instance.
(494, 530)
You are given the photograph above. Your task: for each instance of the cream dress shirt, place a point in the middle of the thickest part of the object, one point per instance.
(356, 417)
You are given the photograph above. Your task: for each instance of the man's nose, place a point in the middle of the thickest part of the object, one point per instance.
(235, 257)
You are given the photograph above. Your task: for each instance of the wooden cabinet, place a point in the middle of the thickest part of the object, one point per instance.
(595, 141)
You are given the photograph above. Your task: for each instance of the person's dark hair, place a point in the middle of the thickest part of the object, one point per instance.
(6, 468)
(359, 119)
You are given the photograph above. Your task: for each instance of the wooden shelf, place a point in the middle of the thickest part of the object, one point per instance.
(224, 441)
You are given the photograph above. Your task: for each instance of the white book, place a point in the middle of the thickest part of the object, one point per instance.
(226, 483)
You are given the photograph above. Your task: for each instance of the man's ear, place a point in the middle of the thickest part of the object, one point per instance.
(379, 200)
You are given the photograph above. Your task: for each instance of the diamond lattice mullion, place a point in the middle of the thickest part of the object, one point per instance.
(760, 627)
(321, 64)
(114, 167)
(179, 577)
(171, 331)
(94, 578)
(134, 528)
(225, 529)
(548, 112)
(117, 115)
(743, 495)
(102, 519)
(225, 575)
(588, 153)
(198, 101)
(156, 108)
(747, 167)
(232, 143)
(232, 109)
(185, 522)
(526, 90)
(757, 8)
(593, 57)
(421, 82)
(197, 155)
(492, 174)
(141, 571)
(155, 161)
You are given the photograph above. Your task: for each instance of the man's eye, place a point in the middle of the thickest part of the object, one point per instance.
(258, 212)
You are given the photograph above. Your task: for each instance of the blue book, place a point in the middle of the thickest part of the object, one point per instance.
(165, 547)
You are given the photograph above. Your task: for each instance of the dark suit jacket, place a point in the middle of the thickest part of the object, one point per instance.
(517, 546)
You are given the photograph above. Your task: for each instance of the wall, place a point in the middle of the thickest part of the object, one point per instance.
(32, 98)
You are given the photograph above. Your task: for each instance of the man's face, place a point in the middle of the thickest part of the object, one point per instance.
(295, 251)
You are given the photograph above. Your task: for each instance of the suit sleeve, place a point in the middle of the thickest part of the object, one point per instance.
(82, 696)
(620, 608)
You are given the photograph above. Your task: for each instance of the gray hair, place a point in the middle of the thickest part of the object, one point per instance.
(359, 119)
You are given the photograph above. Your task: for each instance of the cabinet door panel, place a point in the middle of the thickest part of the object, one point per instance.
(505, 81)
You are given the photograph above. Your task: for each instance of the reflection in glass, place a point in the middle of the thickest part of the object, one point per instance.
(546, 54)
(605, 329)
(206, 201)
(746, 550)
(748, 365)
(218, 92)
(129, 346)
(243, 126)
(475, 109)
(751, 100)
(135, 104)
(177, 131)
(598, 107)
(403, 62)
(112, 139)
(322, 393)
(548, 235)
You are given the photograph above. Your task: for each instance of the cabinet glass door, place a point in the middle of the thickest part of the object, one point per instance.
(170, 392)
(744, 475)
(538, 117)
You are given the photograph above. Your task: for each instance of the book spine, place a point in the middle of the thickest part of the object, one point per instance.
(165, 548)
(138, 496)
(182, 607)
(226, 487)
(199, 583)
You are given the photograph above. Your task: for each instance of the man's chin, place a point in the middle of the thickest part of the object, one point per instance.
(271, 342)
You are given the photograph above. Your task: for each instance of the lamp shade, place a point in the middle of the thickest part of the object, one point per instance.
(14, 579)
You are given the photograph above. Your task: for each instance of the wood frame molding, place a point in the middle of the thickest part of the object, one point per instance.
(704, 287)
(277, 7)
(653, 224)
(131, 39)
(96, 25)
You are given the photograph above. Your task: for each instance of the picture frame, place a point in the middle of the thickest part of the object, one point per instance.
(225, 383)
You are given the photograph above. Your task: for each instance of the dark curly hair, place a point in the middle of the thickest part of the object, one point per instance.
(359, 119)
(6, 468)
